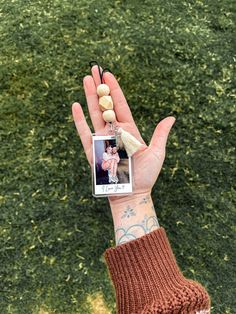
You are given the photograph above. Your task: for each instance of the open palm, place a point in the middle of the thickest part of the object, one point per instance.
(147, 163)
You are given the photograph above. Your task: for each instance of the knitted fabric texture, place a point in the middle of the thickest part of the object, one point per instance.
(147, 279)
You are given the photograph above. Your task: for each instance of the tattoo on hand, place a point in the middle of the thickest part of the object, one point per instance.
(145, 200)
(137, 230)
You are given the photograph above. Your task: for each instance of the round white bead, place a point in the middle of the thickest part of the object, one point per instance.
(103, 90)
(109, 115)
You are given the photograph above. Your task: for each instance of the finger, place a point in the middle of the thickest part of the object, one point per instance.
(83, 130)
(95, 74)
(121, 106)
(160, 135)
(92, 102)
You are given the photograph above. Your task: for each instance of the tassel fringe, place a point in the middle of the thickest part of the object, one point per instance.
(131, 144)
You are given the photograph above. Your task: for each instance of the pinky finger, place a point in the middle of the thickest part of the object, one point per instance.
(83, 130)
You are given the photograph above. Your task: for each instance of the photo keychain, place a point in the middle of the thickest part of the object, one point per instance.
(112, 152)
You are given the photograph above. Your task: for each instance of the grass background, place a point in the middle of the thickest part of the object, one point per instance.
(171, 58)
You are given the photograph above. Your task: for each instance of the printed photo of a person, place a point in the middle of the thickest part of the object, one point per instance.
(111, 163)
(110, 160)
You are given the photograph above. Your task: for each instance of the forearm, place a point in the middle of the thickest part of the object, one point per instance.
(133, 217)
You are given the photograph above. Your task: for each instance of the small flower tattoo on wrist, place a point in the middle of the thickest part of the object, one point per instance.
(128, 212)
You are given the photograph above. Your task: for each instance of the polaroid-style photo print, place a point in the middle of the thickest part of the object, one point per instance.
(111, 167)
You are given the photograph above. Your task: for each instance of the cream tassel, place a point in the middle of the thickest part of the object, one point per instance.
(131, 144)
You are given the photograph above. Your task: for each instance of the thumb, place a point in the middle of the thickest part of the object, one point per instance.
(160, 135)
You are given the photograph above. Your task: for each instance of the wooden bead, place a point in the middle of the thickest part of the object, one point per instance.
(109, 115)
(103, 90)
(105, 103)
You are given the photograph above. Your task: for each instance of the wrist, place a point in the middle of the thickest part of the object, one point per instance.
(133, 217)
(117, 201)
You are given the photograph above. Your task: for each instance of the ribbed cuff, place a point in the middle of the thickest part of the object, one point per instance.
(147, 278)
(142, 269)
(149, 253)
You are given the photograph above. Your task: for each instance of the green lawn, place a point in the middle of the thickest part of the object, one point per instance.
(171, 58)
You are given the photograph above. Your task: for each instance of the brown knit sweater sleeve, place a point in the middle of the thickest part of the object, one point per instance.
(147, 279)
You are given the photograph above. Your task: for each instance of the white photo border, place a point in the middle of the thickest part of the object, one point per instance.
(110, 189)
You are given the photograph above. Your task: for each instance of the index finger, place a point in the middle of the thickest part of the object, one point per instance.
(92, 102)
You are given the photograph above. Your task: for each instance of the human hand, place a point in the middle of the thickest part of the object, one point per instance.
(147, 163)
